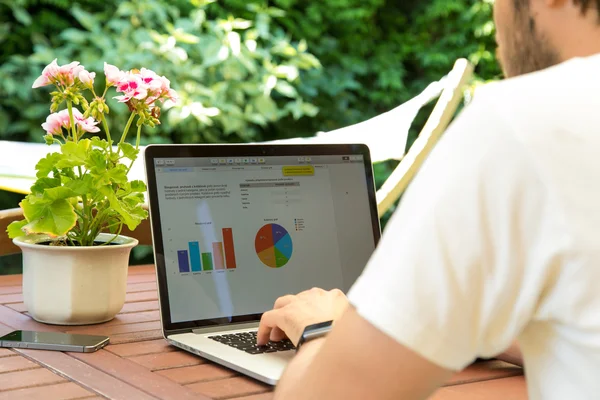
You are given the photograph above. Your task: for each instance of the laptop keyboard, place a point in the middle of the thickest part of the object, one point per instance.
(246, 341)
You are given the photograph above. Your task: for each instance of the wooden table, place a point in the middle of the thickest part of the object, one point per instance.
(139, 364)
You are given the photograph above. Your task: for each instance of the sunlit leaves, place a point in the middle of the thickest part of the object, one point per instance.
(15, 229)
(54, 218)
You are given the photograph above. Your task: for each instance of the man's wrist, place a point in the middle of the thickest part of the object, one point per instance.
(313, 332)
(312, 345)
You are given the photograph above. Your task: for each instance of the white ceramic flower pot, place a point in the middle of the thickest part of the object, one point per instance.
(68, 285)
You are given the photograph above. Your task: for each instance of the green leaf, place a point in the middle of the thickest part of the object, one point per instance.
(47, 164)
(131, 216)
(44, 183)
(82, 185)
(138, 186)
(96, 161)
(75, 154)
(118, 174)
(286, 89)
(58, 193)
(97, 142)
(15, 229)
(266, 106)
(134, 198)
(129, 151)
(87, 20)
(21, 15)
(54, 219)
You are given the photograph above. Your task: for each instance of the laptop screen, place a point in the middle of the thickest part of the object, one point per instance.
(239, 232)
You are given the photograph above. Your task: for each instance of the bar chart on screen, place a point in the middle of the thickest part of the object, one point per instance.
(219, 256)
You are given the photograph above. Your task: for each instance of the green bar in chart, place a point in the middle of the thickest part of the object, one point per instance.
(207, 262)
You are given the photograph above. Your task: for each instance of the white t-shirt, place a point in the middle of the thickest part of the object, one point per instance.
(498, 237)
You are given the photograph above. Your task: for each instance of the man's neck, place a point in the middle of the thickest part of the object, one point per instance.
(578, 36)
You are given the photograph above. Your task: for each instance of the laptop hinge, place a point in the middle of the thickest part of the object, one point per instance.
(227, 327)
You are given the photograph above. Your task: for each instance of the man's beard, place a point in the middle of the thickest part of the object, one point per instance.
(526, 50)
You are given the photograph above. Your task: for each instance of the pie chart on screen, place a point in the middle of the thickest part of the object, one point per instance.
(273, 245)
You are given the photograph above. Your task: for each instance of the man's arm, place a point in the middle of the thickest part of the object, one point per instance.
(358, 361)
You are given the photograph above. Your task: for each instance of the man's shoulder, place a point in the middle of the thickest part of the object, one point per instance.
(532, 103)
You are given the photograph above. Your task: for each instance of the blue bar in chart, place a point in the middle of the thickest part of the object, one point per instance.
(184, 265)
(194, 248)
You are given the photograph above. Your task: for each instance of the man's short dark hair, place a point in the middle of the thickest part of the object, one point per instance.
(584, 4)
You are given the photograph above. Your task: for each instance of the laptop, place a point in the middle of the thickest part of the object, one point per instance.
(237, 226)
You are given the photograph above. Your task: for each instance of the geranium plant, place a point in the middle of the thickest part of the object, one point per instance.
(83, 189)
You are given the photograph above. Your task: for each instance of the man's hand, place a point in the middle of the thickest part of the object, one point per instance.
(291, 314)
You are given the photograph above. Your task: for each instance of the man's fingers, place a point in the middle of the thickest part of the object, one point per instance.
(267, 323)
(277, 335)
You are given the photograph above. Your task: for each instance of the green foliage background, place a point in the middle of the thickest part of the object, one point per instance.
(246, 70)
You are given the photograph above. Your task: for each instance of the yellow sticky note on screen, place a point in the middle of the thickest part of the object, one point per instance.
(299, 170)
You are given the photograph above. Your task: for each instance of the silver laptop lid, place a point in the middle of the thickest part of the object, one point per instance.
(236, 226)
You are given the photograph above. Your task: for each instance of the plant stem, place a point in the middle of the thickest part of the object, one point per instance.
(72, 120)
(114, 237)
(126, 130)
(106, 130)
(139, 134)
(137, 145)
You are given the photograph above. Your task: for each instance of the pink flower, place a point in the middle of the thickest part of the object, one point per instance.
(47, 75)
(141, 89)
(87, 78)
(67, 73)
(60, 74)
(132, 87)
(113, 74)
(56, 121)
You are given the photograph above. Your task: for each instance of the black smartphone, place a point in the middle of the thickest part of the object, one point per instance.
(53, 341)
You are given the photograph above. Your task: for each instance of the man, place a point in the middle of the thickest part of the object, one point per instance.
(497, 239)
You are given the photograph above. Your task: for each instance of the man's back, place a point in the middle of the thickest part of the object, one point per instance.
(509, 204)
(556, 115)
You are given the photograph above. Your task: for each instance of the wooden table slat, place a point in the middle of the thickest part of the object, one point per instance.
(136, 375)
(5, 329)
(23, 379)
(228, 388)
(140, 287)
(141, 348)
(136, 336)
(147, 269)
(172, 359)
(140, 306)
(11, 298)
(110, 330)
(16, 320)
(136, 296)
(90, 377)
(263, 396)
(11, 289)
(61, 391)
(122, 319)
(19, 307)
(7, 353)
(12, 364)
(197, 373)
